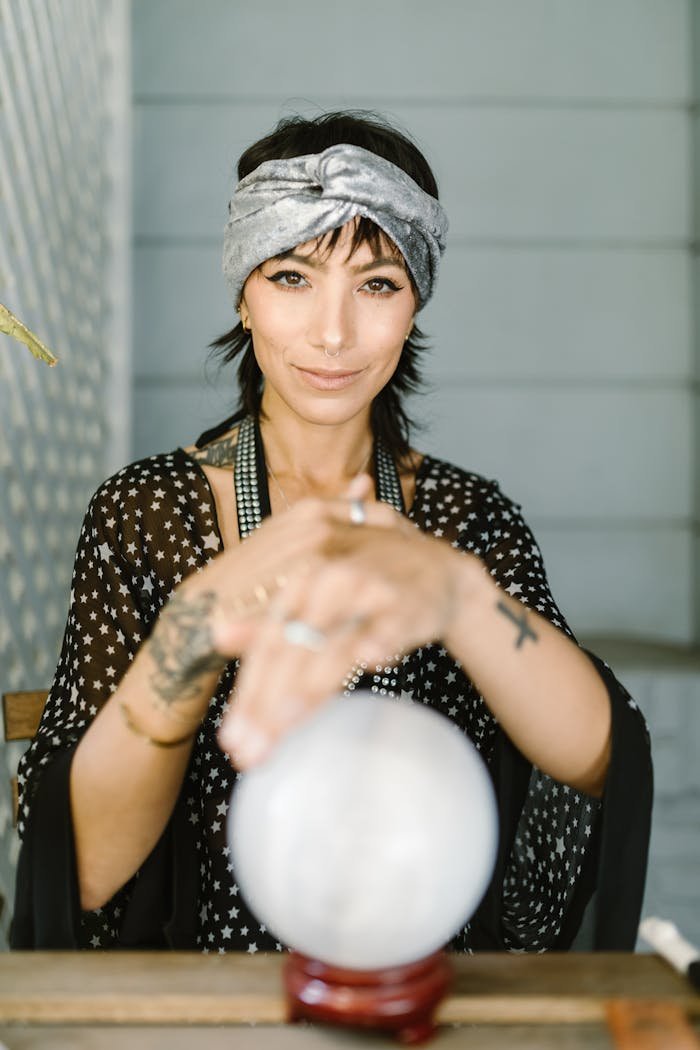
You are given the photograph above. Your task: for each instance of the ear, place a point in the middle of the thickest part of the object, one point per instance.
(245, 316)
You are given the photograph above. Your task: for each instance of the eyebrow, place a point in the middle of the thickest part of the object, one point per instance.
(309, 260)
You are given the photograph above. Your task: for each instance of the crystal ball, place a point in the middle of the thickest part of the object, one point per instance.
(368, 837)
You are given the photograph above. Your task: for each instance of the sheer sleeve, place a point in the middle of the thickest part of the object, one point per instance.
(561, 847)
(556, 846)
(113, 601)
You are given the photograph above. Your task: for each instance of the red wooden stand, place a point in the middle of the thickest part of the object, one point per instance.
(401, 999)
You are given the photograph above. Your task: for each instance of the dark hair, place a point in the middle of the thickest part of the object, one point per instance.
(294, 137)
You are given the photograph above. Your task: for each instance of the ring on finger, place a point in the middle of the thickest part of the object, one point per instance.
(302, 634)
(357, 512)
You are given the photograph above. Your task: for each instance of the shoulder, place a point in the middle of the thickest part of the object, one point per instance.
(164, 477)
(438, 478)
(466, 508)
(166, 492)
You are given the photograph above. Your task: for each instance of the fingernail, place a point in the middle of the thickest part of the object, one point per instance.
(243, 741)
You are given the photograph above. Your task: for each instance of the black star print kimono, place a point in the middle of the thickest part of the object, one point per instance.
(146, 529)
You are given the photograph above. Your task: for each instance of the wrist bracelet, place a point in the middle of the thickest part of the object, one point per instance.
(136, 729)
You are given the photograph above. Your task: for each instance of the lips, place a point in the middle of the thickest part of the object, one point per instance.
(321, 379)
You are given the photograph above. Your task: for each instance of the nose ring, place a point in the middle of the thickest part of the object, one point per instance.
(328, 353)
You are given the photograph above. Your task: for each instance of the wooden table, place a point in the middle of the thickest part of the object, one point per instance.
(153, 1001)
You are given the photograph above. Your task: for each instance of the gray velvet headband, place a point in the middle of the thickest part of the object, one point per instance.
(284, 203)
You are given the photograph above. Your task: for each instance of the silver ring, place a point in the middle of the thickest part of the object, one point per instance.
(329, 354)
(357, 512)
(297, 632)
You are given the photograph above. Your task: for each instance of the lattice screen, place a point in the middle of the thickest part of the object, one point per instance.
(55, 199)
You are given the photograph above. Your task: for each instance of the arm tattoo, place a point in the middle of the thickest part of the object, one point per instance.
(221, 453)
(182, 647)
(525, 631)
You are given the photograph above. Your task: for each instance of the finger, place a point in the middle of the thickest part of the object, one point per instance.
(361, 615)
(363, 612)
(233, 635)
(372, 513)
(269, 669)
(361, 487)
(263, 713)
(266, 701)
(295, 685)
(312, 512)
(280, 682)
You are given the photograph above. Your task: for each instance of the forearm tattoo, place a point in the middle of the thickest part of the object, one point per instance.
(520, 621)
(182, 647)
(220, 453)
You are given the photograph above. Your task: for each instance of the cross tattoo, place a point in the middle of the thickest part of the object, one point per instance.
(520, 622)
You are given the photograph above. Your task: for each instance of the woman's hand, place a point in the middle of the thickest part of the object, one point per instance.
(216, 614)
(366, 593)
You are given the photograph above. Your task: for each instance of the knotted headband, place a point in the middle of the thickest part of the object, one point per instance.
(284, 203)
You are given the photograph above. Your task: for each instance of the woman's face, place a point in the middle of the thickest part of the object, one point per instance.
(360, 307)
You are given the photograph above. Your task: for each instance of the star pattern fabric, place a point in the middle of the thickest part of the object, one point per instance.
(154, 523)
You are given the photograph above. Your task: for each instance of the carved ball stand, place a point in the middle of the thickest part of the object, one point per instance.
(401, 1000)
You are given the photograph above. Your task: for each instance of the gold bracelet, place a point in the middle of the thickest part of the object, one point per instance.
(131, 724)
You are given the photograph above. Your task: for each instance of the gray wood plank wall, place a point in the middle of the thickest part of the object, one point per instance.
(61, 117)
(561, 135)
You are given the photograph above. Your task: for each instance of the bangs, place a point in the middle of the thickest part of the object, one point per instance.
(365, 231)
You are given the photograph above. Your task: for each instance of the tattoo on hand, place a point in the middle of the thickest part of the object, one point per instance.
(182, 647)
(221, 453)
(525, 631)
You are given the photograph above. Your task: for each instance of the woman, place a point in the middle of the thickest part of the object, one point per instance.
(287, 537)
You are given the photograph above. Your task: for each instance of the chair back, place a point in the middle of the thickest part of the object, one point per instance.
(21, 714)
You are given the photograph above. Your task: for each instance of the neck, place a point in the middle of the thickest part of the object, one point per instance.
(317, 459)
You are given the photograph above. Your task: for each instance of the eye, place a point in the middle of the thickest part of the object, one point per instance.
(288, 279)
(381, 286)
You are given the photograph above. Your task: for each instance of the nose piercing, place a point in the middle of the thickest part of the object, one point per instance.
(329, 354)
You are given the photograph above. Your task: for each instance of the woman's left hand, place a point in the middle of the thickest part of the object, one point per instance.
(375, 590)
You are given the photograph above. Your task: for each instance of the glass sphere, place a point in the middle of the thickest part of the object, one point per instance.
(368, 837)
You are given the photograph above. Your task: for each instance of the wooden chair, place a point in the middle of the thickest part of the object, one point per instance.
(21, 714)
